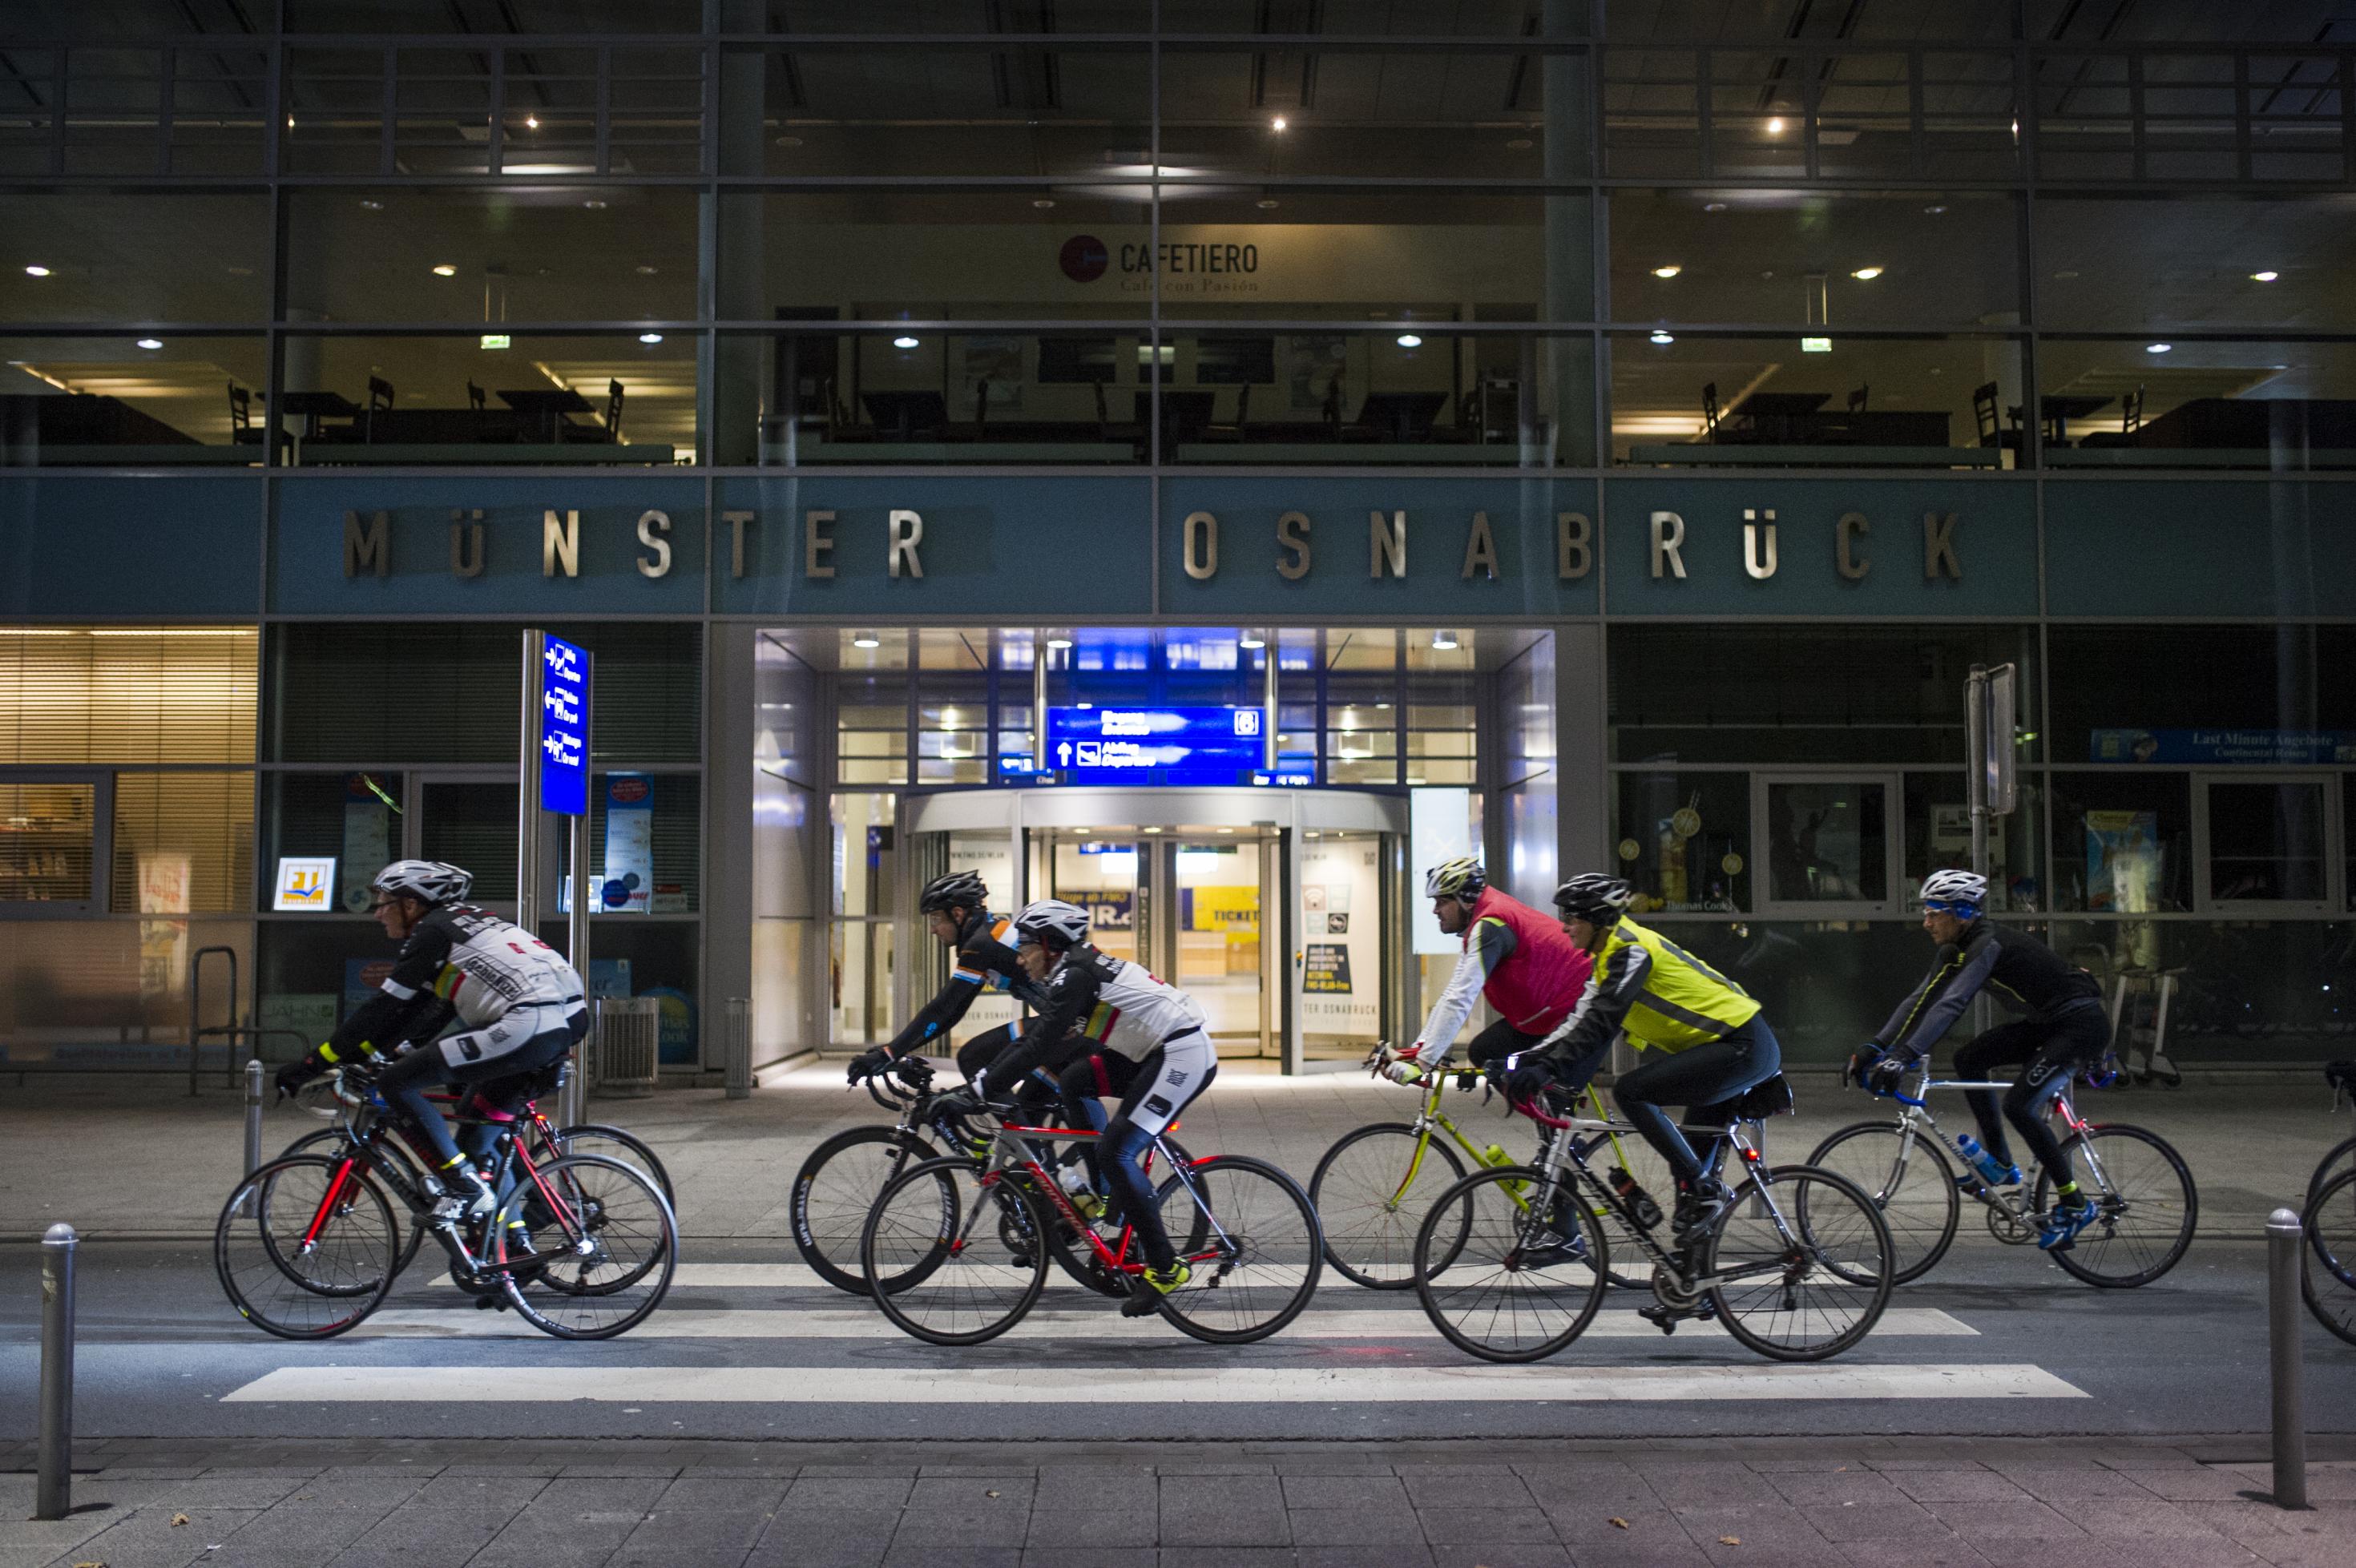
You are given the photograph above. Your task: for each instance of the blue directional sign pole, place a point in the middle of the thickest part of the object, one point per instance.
(566, 677)
(528, 790)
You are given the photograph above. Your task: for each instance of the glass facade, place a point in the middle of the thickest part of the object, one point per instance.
(1603, 260)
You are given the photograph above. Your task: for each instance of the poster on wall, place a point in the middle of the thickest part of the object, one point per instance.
(2123, 862)
(629, 879)
(368, 842)
(1325, 969)
(1440, 828)
(1340, 962)
(163, 943)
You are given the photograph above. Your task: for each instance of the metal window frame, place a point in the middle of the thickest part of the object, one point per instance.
(98, 905)
(1891, 782)
(2328, 783)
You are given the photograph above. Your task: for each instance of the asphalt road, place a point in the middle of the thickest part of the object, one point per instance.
(1997, 1341)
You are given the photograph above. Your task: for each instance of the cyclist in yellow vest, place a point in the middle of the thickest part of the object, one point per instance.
(1703, 1040)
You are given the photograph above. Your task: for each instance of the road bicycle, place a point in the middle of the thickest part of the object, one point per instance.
(836, 1185)
(1373, 1187)
(2145, 1201)
(548, 1141)
(955, 1249)
(2329, 1281)
(307, 1247)
(1795, 1261)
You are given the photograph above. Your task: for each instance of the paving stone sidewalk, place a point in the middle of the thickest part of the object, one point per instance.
(1890, 1503)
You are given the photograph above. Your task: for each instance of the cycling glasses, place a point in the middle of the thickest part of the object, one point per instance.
(1948, 906)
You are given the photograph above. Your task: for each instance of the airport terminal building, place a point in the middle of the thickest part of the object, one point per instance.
(1199, 458)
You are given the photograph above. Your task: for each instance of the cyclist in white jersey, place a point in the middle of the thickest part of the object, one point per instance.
(520, 1002)
(1151, 1041)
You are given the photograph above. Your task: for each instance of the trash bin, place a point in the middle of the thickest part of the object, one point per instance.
(626, 1046)
(736, 1046)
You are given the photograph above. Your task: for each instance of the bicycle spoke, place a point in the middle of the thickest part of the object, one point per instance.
(297, 1264)
(589, 1244)
(1369, 1204)
(1514, 1290)
(1800, 1269)
(1250, 1243)
(952, 1258)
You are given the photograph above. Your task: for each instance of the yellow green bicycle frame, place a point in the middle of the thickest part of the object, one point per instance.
(1432, 1116)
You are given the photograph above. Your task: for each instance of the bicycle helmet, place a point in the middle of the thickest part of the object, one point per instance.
(1053, 922)
(1955, 892)
(958, 890)
(1463, 878)
(428, 881)
(1595, 898)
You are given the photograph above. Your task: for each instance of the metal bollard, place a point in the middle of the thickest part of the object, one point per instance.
(2283, 1236)
(253, 1115)
(55, 1488)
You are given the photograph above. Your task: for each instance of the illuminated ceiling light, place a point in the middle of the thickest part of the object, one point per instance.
(1934, 211)
(1251, 640)
(1668, 272)
(373, 206)
(1276, 123)
(594, 206)
(1866, 274)
(151, 343)
(1059, 640)
(1268, 204)
(903, 343)
(36, 272)
(1443, 642)
(1775, 126)
(446, 271)
(1409, 340)
(1713, 207)
(2263, 277)
(2158, 348)
(865, 640)
(645, 272)
(1042, 203)
(532, 122)
(650, 337)
(1663, 337)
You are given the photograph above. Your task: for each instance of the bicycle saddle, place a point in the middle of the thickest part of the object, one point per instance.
(1772, 1098)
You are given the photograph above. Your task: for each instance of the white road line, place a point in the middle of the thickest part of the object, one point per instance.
(1032, 1384)
(1097, 1318)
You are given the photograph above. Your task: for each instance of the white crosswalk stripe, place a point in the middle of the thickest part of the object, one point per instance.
(1080, 1312)
(1007, 1383)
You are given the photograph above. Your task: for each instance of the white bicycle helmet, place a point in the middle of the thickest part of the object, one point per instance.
(430, 881)
(1460, 879)
(1967, 888)
(1054, 922)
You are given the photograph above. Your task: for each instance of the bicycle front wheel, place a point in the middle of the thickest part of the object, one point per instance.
(327, 1141)
(1250, 1239)
(2145, 1206)
(1371, 1192)
(307, 1246)
(1518, 1288)
(1908, 1178)
(597, 1234)
(953, 1256)
(2328, 1280)
(1800, 1265)
(834, 1189)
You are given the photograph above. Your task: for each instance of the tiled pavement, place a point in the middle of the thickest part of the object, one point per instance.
(1595, 1504)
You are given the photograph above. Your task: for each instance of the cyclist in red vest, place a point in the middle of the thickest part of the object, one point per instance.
(1517, 958)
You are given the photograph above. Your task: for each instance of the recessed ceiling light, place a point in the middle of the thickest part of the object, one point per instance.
(1713, 207)
(2158, 348)
(650, 337)
(646, 272)
(1276, 123)
(1059, 641)
(532, 122)
(1251, 640)
(1409, 340)
(1934, 211)
(1669, 272)
(1663, 337)
(594, 206)
(1866, 274)
(1042, 203)
(903, 343)
(1521, 144)
(1775, 126)
(446, 271)
(2263, 277)
(1444, 642)
(151, 343)
(789, 141)
(865, 640)
(1268, 204)
(36, 272)
(373, 206)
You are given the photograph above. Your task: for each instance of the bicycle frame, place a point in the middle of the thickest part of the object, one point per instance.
(1431, 1117)
(1916, 1119)
(1011, 1150)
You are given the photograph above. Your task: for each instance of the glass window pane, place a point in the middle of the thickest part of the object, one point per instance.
(47, 843)
(1685, 839)
(472, 822)
(127, 694)
(2123, 842)
(1827, 844)
(184, 843)
(120, 256)
(163, 399)
(2267, 841)
(2192, 261)
(340, 814)
(2161, 403)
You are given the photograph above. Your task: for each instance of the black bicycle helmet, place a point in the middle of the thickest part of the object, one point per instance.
(958, 890)
(1595, 898)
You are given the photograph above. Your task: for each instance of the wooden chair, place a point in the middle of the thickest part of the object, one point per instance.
(380, 401)
(612, 411)
(474, 397)
(1710, 410)
(1243, 412)
(2130, 421)
(1857, 401)
(1986, 417)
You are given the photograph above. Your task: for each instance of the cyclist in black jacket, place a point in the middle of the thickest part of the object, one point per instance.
(2065, 1029)
(956, 910)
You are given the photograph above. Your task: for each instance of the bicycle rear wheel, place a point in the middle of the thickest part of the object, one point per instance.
(307, 1246)
(328, 1140)
(2145, 1206)
(1803, 1264)
(2341, 1157)
(595, 1138)
(2328, 1280)
(1908, 1178)
(836, 1187)
(1627, 1151)
(1249, 1237)
(1371, 1192)
(598, 1234)
(1517, 1290)
(951, 1256)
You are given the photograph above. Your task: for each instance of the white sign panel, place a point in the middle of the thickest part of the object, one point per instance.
(305, 882)
(1440, 828)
